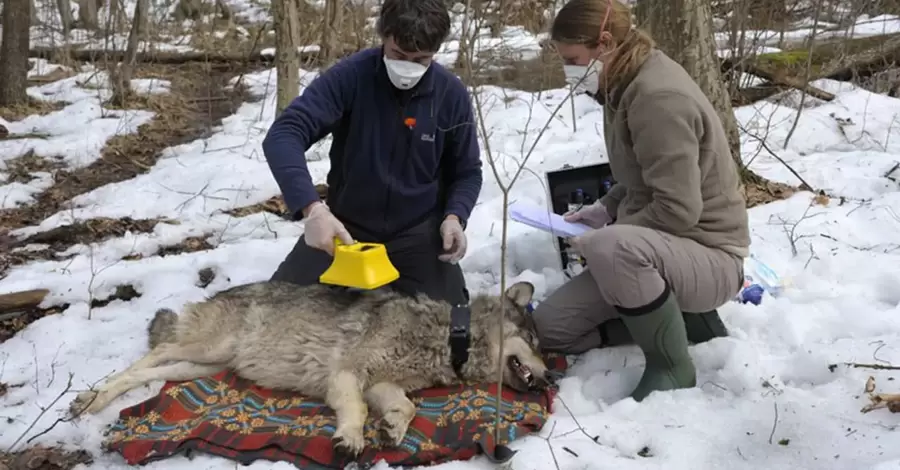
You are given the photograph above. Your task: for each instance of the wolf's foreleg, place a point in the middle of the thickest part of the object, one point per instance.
(345, 397)
(92, 401)
(395, 408)
(178, 371)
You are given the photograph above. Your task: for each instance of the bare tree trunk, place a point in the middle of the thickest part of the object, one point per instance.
(332, 43)
(34, 12)
(463, 51)
(683, 30)
(287, 61)
(87, 14)
(116, 16)
(188, 10)
(499, 20)
(224, 11)
(14, 52)
(121, 78)
(65, 16)
(143, 24)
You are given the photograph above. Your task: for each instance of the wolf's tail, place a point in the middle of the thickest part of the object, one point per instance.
(162, 327)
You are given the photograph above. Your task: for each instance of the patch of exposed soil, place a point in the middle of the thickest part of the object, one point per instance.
(91, 231)
(33, 106)
(124, 292)
(274, 205)
(14, 324)
(21, 169)
(188, 245)
(14, 321)
(197, 102)
(53, 76)
(205, 277)
(44, 458)
(62, 238)
(9, 259)
(763, 192)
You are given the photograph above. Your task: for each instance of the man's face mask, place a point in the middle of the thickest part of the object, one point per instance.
(584, 78)
(403, 73)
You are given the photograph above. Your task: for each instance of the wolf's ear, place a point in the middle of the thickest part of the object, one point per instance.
(520, 293)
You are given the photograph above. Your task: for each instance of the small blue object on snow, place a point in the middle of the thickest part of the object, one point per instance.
(752, 294)
(758, 278)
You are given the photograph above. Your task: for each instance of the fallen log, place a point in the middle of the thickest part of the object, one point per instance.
(23, 300)
(779, 78)
(840, 59)
(168, 57)
(865, 62)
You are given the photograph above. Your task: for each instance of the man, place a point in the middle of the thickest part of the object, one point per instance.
(405, 164)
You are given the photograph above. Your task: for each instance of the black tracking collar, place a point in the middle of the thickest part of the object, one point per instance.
(460, 336)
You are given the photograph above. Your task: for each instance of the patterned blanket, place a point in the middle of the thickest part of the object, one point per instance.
(228, 416)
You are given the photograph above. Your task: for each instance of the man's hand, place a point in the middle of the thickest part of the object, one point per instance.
(454, 240)
(594, 215)
(322, 227)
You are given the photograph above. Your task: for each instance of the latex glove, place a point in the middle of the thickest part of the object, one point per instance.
(322, 227)
(574, 245)
(454, 239)
(594, 215)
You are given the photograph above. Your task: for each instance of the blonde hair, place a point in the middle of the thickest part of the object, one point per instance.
(580, 22)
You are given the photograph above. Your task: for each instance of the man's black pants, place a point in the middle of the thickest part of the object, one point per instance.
(414, 252)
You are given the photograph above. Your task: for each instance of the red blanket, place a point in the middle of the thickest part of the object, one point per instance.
(228, 416)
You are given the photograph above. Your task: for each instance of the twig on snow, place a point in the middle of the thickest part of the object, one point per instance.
(774, 422)
(40, 415)
(857, 365)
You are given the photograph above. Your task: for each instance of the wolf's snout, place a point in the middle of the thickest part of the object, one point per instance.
(551, 377)
(545, 381)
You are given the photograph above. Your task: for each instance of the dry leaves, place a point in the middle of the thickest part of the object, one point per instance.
(891, 401)
(44, 458)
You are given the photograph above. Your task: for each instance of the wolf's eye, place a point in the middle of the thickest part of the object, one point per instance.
(532, 339)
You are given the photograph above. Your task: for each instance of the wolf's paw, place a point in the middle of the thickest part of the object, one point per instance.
(84, 403)
(395, 422)
(349, 440)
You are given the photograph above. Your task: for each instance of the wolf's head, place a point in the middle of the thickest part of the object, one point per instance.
(523, 367)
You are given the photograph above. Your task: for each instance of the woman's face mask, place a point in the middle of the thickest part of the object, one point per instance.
(403, 73)
(584, 78)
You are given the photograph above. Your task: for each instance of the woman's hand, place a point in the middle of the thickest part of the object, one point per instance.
(594, 215)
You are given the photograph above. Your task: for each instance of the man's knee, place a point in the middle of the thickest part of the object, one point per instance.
(552, 336)
(303, 265)
(562, 329)
(432, 277)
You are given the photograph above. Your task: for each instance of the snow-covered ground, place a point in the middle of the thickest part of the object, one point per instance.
(767, 396)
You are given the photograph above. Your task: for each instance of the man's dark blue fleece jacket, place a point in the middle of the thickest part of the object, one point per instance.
(397, 158)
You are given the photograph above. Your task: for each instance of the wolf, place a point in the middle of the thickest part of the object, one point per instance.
(352, 350)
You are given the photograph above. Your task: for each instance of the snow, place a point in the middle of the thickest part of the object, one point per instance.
(74, 134)
(767, 397)
(864, 26)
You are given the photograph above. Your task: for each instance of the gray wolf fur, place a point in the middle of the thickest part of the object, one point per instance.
(352, 350)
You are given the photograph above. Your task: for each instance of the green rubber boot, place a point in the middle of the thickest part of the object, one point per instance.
(701, 327)
(661, 335)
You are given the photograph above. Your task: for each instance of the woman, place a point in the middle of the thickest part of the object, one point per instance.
(681, 230)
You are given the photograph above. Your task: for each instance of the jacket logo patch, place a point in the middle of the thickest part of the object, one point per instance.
(428, 137)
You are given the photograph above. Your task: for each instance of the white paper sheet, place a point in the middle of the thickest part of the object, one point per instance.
(544, 219)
